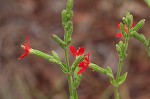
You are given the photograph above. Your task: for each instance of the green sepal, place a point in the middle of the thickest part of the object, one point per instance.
(139, 25)
(76, 62)
(56, 55)
(122, 79)
(59, 41)
(147, 2)
(40, 54)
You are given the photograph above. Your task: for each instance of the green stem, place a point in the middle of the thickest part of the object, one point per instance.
(119, 68)
(116, 95)
(70, 80)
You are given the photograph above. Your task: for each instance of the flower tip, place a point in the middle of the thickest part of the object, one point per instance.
(19, 59)
(118, 25)
(119, 35)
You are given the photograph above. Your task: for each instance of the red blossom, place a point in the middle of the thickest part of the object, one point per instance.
(78, 52)
(26, 48)
(84, 64)
(119, 35)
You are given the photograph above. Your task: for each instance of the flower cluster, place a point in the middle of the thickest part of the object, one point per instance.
(85, 63)
(26, 47)
(119, 35)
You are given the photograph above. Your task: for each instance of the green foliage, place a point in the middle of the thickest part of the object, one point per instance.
(121, 79)
(67, 22)
(128, 19)
(41, 54)
(121, 49)
(56, 56)
(97, 68)
(139, 25)
(59, 41)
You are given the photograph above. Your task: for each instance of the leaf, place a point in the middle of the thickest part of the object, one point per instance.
(121, 79)
(40, 54)
(139, 25)
(59, 41)
(56, 55)
(63, 68)
(97, 68)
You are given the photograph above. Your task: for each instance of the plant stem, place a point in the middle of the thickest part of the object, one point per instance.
(119, 68)
(70, 80)
(116, 93)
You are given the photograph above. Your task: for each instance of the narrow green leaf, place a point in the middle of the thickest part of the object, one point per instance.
(121, 79)
(63, 68)
(53, 60)
(97, 68)
(56, 55)
(139, 25)
(140, 37)
(59, 41)
(40, 54)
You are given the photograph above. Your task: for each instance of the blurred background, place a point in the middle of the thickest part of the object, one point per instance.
(94, 28)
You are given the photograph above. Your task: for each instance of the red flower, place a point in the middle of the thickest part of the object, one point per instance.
(78, 52)
(84, 64)
(26, 48)
(119, 35)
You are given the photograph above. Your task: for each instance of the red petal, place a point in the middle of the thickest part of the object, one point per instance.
(80, 51)
(119, 35)
(132, 25)
(118, 25)
(87, 57)
(81, 64)
(27, 40)
(82, 70)
(73, 50)
(22, 56)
